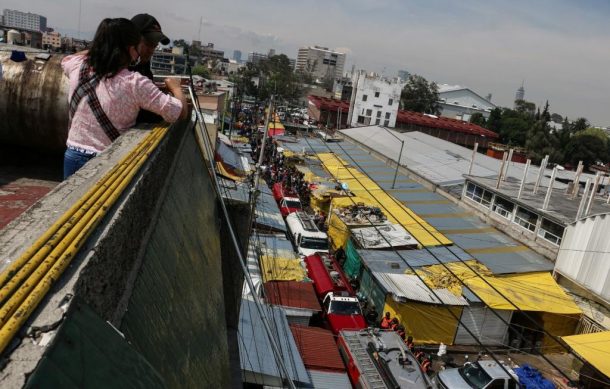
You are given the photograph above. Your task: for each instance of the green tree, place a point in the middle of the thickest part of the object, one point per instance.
(419, 95)
(200, 70)
(478, 119)
(279, 79)
(494, 122)
(556, 118)
(542, 141)
(578, 125)
(525, 107)
(589, 145)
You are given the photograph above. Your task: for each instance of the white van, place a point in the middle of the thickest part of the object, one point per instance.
(304, 234)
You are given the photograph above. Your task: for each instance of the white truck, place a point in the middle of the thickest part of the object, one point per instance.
(305, 235)
(483, 374)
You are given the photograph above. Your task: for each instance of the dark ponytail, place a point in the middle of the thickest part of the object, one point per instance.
(109, 51)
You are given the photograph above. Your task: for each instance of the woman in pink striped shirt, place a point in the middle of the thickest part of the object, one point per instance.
(105, 97)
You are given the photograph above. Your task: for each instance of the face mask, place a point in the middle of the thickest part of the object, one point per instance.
(137, 61)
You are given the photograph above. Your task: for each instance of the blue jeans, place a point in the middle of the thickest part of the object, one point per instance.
(74, 160)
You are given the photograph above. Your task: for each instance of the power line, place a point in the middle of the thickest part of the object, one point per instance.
(446, 267)
(458, 319)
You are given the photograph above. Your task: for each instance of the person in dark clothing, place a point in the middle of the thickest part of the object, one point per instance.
(150, 29)
(371, 316)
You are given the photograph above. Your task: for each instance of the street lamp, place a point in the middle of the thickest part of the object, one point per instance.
(402, 145)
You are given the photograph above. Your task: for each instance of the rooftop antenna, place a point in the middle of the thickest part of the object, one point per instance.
(200, 24)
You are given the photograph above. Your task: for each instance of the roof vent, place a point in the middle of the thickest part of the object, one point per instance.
(394, 265)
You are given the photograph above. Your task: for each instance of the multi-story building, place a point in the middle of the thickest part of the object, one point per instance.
(255, 57)
(51, 39)
(237, 55)
(209, 52)
(320, 62)
(23, 20)
(374, 100)
(173, 62)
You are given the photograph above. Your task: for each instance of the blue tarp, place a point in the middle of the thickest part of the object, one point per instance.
(531, 378)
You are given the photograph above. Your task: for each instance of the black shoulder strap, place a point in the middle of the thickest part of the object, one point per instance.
(86, 88)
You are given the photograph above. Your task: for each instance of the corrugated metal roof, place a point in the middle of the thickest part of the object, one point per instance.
(410, 287)
(445, 123)
(292, 294)
(255, 352)
(394, 261)
(318, 348)
(268, 215)
(439, 161)
(329, 380)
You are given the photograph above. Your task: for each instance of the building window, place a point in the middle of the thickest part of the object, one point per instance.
(503, 207)
(551, 231)
(390, 102)
(377, 121)
(376, 94)
(387, 115)
(369, 112)
(478, 194)
(378, 114)
(386, 123)
(526, 219)
(361, 119)
(364, 97)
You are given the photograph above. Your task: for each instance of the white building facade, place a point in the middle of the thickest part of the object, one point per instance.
(375, 100)
(320, 62)
(584, 260)
(458, 102)
(24, 20)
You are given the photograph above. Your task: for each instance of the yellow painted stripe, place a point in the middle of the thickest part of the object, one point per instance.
(468, 230)
(498, 250)
(445, 215)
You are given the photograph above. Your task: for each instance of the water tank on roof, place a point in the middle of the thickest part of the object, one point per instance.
(13, 37)
(33, 103)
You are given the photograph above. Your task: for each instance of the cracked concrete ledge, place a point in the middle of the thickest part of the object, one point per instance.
(100, 272)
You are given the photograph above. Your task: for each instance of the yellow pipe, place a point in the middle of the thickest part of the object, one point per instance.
(9, 307)
(43, 279)
(14, 267)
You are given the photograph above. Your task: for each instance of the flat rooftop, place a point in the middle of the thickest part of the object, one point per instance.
(561, 207)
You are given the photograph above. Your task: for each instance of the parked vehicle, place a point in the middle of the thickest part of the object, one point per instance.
(342, 312)
(341, 309)
(380, 359)
(484, 374)
(306, 238)
(287, 201)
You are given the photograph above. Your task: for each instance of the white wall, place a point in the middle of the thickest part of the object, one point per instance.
(463, 101)
(375, 108)
(584, 255)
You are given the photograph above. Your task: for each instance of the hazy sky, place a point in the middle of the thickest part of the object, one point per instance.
(560, 48)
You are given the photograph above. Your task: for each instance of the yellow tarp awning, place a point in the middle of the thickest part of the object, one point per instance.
(225, 173)
(529, 291)
(427, 323)
(362, 186)
(594, 348)
(282, 269)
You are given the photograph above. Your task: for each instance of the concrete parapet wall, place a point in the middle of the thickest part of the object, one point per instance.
(153, 268)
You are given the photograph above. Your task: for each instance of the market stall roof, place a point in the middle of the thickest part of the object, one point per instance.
(410, 287)
(383, 236)
(255, 352)
(594, 348)
(318, 348)
(292, 294)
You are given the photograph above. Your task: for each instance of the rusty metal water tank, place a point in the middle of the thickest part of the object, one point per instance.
(33, 101)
